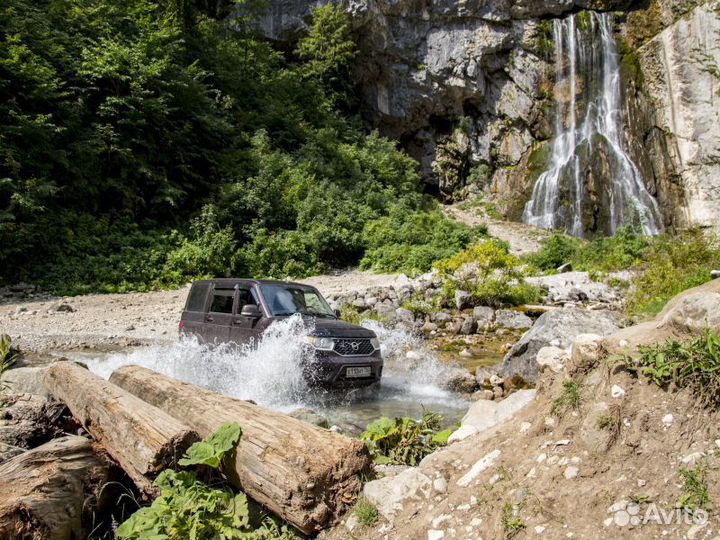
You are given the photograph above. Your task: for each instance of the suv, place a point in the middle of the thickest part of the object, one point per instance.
(239, 310)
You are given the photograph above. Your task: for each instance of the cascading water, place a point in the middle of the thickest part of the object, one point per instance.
(592, 185)
(271, 374)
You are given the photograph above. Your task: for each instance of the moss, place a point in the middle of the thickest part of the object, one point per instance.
(545, 38)
(643, 24)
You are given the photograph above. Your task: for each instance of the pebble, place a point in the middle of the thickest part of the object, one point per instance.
(525, 427)
(440, 485)
(434, 534)
(668, 420)
(617, 391)
(539, 529)
(476, 522)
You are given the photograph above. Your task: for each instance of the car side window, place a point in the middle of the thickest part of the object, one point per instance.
(222, 301)
(246, 296)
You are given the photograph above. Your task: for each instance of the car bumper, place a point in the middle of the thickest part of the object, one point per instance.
(331, 369)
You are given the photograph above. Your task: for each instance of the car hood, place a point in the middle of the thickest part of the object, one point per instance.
(338, 328)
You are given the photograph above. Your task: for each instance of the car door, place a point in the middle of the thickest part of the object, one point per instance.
(219, 316)
(245, 329)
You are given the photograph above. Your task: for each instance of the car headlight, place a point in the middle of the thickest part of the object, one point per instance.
(375, 342)
(321, 343)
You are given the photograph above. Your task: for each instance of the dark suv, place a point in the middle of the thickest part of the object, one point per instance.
(239, 311)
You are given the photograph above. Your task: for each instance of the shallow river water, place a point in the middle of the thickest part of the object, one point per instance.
(271, 374)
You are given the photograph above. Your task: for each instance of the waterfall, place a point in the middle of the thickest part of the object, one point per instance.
(591, 185)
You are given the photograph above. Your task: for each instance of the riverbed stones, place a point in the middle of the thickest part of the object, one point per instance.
(457, 379)
(463, 300)
(512, 320)
(484, 317)
(557, 328)
(468, 326)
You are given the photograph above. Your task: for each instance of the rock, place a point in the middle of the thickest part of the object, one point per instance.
(552, 358)
(484, 415)
(429, 327)
(567, 267)
(484, 317)
(465, 353)
(371, 301)
(19, 310)
(404, 315)
(497, 393)
(62, 307)
(29, 420)
(457, 379)
(668, 420)
(463, 300)
(468, 326)
(496, 380)
(714, 274)
(616, 391)
(390, 493)
(585, 353)
(479, 466)
(575, 287)
(594, 437)
(8, 451)
(440, 317)
(694, 313)
(414, 355)
(440, 484)
(483, 375)
(485, 394)
(570, 473)
(435, 534)
(513, 320)
(359, 303)
(560, 327)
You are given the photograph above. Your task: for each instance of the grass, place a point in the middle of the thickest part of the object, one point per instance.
(512, 523)
(694, 364)
(695, 494)
(612, 423)
(570, 398)
(349, 313)
(366, 513)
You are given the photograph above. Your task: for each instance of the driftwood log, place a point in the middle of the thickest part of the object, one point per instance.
(141, 438)
(304, 474)
(42, 491)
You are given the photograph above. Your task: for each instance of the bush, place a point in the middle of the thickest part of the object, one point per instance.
(489, 273)
(694, 365)
(366, 513)
(670, 265)
(405, 441)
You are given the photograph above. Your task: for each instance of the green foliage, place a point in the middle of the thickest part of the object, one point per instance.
(695, 494)
(404, 441)
(411, 242)
(545, 38)
(8, 357)
(694, 365)
(670, 265)
(213, 449)
(329, 50)
(349, 313)
(570, 398)
(366, 512)
(512, 523)
(491, 275)
(144, 145)
(190, 509)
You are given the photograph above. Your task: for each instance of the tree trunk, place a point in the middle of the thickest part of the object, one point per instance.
(142, 439)
(304, 474)
(42, 491)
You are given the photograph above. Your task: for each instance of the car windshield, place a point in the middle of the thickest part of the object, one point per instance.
(286, 300)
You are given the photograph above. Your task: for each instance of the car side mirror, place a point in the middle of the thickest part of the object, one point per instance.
(250, 310)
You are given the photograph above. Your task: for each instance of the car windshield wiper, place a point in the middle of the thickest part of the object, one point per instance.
(284, 314)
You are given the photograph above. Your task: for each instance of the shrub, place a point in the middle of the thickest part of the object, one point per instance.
(555, 250)
(694, 365)
(695, 494)
(570, 398)
(670, 265)
(8, 356)
(405, 441)
(489, 273)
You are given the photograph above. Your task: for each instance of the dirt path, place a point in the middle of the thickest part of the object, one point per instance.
(112, 321)
(522, 238)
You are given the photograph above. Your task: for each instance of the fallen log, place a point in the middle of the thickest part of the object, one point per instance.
(304, 474)
(141, 438)
(43, 491)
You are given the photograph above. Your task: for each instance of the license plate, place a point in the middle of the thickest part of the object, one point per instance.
(357, 372)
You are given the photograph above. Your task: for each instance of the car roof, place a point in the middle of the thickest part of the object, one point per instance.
(231, 282)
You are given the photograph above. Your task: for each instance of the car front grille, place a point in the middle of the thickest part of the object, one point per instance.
(353, 347)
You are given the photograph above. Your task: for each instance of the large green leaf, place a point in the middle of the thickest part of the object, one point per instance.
(212, 450)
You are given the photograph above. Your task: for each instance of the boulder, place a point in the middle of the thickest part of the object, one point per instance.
(26, 380)
(484, 415)
(440, 317)
(575, 287)
(585, 353)
(457, 379)
(463, 300)
(484, 317)
(389, 494)
(558, 328)
(468, 326)
(553, 358)
(513, 320)
(404, 315)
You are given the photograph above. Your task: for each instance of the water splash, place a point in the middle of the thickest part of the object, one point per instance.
(271, 374)
(588, 75)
